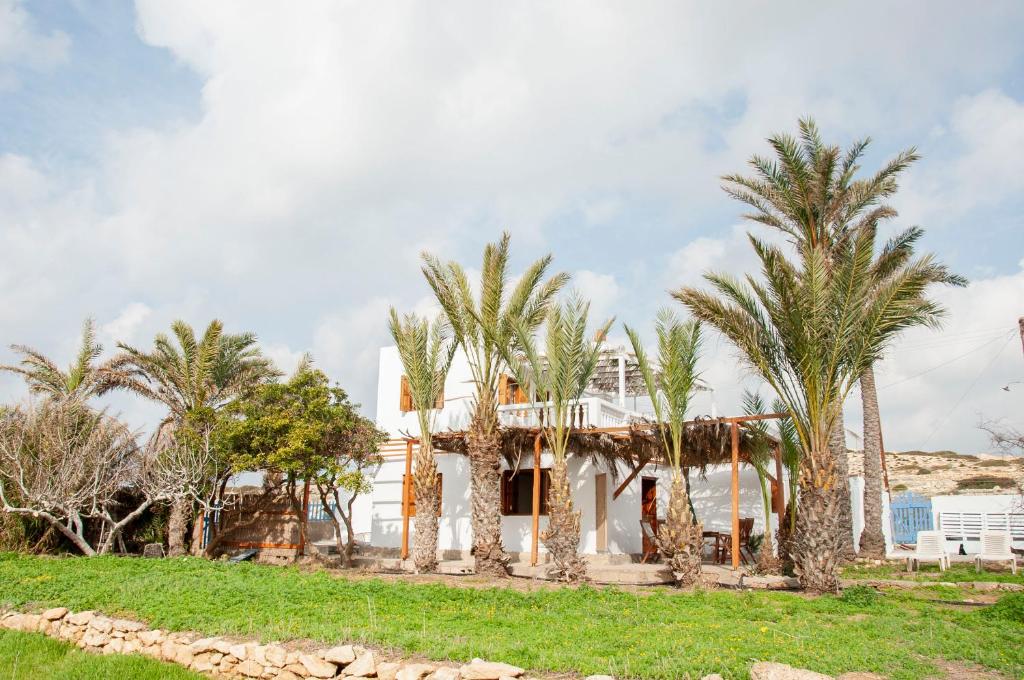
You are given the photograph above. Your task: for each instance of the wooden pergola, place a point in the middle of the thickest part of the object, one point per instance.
(624, 436)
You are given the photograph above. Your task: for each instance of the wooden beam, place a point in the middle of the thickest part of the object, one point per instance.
(736, 496)
(406, 483)
(535, 536)
(630, 478)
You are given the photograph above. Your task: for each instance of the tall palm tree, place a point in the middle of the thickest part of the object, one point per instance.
(810, 329)
(83, 379)
(486, 328)
(561, 373)
(761, 457)
(810, 192)
(194, 378)
(680, 538)
(789, 444)
(426, 351)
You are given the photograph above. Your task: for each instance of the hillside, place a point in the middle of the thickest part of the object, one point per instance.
(947, 472)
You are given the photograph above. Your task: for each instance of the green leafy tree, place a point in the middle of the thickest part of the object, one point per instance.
(308, 431)
(485, 327)
(194, 378)
(810, 329)
(561, 373)
(426, 351)
(680, 537)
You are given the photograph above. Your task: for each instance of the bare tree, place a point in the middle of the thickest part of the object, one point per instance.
(65, 463)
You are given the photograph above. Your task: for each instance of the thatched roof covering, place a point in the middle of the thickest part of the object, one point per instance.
(706, 443)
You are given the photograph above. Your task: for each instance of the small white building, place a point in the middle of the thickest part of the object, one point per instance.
(610, 520)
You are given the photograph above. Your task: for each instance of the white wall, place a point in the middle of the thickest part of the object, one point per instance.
(711, 501)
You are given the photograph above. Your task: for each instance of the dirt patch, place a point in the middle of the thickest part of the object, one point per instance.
(962, 670)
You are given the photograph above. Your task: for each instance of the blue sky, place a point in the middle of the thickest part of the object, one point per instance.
(281, 166)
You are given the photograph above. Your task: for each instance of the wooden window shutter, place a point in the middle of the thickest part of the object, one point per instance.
(411, 489)
(503, 390)
(506, 492)
(405, 399)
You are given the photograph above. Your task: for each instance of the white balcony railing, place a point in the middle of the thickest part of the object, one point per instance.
(596, 412)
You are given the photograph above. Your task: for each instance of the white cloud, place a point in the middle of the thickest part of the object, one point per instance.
(21, 44)
(335, 141)
(603, 292)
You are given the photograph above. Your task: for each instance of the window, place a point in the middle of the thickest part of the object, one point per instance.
(510, 392)
(411, 489)
(405, 402)
(405, 397)
(517, 492)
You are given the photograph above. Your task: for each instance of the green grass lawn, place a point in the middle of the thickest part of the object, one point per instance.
(25, 656)
(957, 573)
(656, 634)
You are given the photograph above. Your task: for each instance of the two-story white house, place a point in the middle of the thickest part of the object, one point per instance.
(611, 502)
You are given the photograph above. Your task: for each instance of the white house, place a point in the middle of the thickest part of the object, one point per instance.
(610, 520)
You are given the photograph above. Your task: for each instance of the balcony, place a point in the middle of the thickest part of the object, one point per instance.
(597, 412)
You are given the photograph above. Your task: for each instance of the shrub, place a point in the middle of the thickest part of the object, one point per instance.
(986, 482)
(860, 596)
(1008, 608)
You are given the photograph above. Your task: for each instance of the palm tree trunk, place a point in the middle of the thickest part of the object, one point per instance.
(424, 552)
(872, 541)
(562, 537)
(837, 446)
(680, 538)
(817, 545)
(767, 561)
(484, 449)
(177, 527)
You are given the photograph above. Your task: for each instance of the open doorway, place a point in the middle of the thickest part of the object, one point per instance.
(649, 509)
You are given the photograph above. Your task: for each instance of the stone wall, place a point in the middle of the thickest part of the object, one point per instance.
(224, 658)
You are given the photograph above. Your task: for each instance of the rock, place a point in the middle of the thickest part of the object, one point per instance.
(769, 670)
(713, 676)
(414, 671)
(249, 669)
(444, 673)
(317, 668)
(387, 670)
(363, 667)
(168, 650)
(297, 668)
(55, 614)
(183, 656)
(13, 622)
(860, 675)
(150, 637)
(341, 655)
(276, 656)
(81, 618)
(488, 670)
(94, 638)
(115, 646)
(240, 652)
(126, 626)
(102, 624)
(287, 675)
(605, 677)
(203, 664)
(257, 653)
(204, 645)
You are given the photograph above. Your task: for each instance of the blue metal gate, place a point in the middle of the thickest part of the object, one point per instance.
(911, 513)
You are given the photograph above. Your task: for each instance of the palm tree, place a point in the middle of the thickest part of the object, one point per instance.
(82, 380)
(426, 353)
(810, 329)
(761, 458)
(680, 537)
(810, 193)
(561, 373)
(194, 378)
(486, 329)
(789, 445)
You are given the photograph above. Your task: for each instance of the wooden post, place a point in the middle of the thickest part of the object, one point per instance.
(780, 493)
(536, 502)
(406, 483)
(735, 495)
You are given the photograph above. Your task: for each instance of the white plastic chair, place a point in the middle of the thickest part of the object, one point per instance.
(996, 546)
(931, 547)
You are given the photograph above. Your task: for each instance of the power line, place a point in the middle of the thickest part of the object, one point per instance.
(949, 361)
(945, 418)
